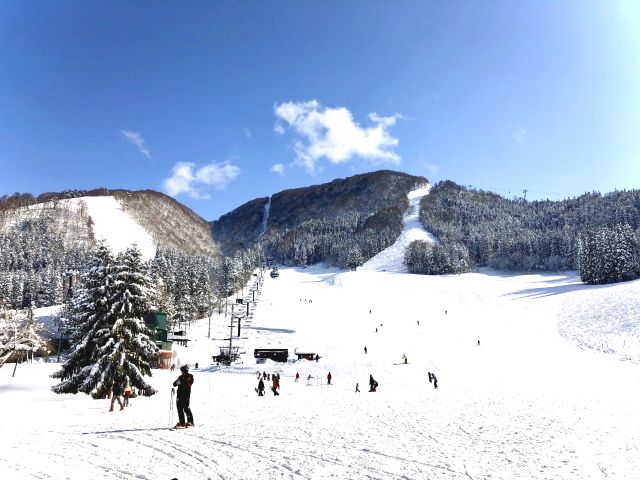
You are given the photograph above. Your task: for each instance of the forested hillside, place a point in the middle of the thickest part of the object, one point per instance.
(516, 235)
(45, 240)
(344, 222)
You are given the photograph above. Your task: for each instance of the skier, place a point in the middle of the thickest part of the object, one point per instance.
(317, 357)
(196, 364)
(329, 378)
(127, 395)
(365, 349)
(184, 382)
(478, 342)
(430, 376)
(372, 384)
(435, 380)
(309, 379)
(260, 388)
(173, 367)
(404, 357)
(275, 385)
(297, 377)
(116, 392)
(418, 322)
(357, 388)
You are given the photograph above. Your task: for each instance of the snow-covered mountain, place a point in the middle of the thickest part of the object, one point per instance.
(120, 218)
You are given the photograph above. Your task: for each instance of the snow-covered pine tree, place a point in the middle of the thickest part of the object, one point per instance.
(88, 321)
(126, 352)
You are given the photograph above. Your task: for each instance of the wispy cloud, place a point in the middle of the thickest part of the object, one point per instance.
(247, 133)
(196, 181)
(332, 133)
(277, 168)
(137, 140)
(520, 135)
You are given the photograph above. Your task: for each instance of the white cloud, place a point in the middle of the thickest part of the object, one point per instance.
(332, 133)
(187, 178)
(277, 168)
(137, 140)
(247, 133)
(520, 135)
(279, 129)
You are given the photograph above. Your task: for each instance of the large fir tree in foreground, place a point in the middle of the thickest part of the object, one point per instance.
(111, 342)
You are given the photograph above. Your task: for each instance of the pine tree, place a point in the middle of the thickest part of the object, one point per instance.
(88, 322)
(122, 351)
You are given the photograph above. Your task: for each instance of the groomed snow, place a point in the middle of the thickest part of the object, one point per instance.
(118, 229)
(527, 403)
(391, 259)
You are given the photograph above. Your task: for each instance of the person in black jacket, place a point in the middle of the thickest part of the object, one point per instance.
(184, 383)
(260, 388)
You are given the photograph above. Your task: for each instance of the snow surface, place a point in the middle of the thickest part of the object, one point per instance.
(391, 259)
(116, 227)
(524, 404)
(540, 398)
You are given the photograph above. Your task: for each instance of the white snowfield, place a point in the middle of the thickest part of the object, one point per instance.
(526, 403)
(117, 228)
(539, 397)
(390, 259)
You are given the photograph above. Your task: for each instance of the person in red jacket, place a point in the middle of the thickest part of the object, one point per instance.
(275, 384)
(184, 382)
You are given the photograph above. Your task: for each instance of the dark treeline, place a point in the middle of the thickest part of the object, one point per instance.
(346, 241)
(516, 235)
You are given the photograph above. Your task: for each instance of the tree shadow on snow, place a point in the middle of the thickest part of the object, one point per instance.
(555, 290)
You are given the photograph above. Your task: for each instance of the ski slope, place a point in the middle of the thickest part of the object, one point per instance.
(117, 228)
(527, 403)
(391, 259)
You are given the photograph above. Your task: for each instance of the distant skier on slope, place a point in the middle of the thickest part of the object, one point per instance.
(365, 349)
(373, 385)
(275, 385)
(297, 376)
(329, 378)
(184, 382)
(260, 388)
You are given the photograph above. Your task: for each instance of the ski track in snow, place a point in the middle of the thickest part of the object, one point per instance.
(525, 404)
(118, 229)
(391, 259)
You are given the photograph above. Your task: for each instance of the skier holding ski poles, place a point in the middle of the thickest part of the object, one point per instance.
(184, 382)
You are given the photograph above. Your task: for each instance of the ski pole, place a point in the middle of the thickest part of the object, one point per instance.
(171, 408)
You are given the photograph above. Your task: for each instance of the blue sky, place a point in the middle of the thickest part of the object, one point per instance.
(217, 103)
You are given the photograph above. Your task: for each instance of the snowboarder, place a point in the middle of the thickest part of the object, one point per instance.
(404, 357)
(365, 349)
(297, 377)
(260, 388)
(357, 388)
(184, 382)
(329, 378)
(275, 384)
